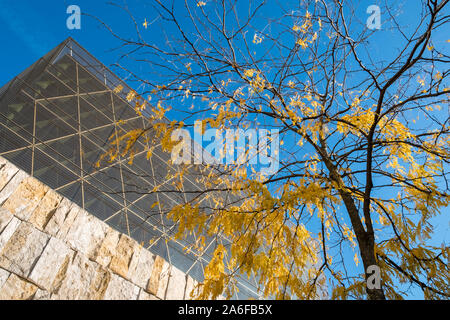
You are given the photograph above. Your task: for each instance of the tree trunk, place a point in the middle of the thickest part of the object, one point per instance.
(365, 239)
(367, 250)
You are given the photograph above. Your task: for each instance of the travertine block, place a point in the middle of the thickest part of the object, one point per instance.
(41, 295)
(121, 289)
(52, 249)
(143, 295)
(16, 288)
(50, 263)
(7, 172)
(86, 234)
(190, 288)
(84, 280)
(5, 218)
(122, 258)
(141, 266)
(23, 249)
(107, 249)
(99, 284)
(176, 285)
(45, 209)
(12, 185)
(8, 231)
(25, 198)
(160, 276)
(63, 218)
(4, 274)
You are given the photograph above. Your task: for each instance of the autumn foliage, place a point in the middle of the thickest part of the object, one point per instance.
(364, 137)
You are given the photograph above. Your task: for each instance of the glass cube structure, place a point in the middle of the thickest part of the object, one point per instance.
(55, 121)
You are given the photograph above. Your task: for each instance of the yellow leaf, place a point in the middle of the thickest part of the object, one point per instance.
(249, 73)
(302, 43)
(438, 76)
(257, 39)
(118, 89)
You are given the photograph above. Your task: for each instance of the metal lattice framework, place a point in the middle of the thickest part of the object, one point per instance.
(55, 121)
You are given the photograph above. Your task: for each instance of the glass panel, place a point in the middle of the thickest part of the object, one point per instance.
(90, 116)
(159, 248)
(134, 186)
(65, 70)
(66, 151)
(72, 192)
(119, 222)
(50, 172)
(100, 102)
(167, 203)
(23, 80)
(196, 271)
(244, 293)
(101, 137)
(87, 82)
(108, 181)
(141, 231)
(160, 168)
(98, 203)
(21, 158)
(47, 86)
(18, 115)
(147, 208)
(122, 109)
(10, 140)
(180, 258)
(142, 167)
(191, 191)
(49, 126)
(91, 155)
(65, 109)
(172, 194)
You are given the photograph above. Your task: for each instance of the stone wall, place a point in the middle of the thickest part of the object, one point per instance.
(52, 249)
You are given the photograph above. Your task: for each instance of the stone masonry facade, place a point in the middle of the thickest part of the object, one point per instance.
(52, 249)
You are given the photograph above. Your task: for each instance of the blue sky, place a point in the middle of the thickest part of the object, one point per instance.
(29, 29)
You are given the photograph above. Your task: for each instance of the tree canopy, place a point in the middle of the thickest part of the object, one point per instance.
(363, 128)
